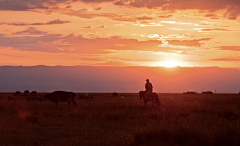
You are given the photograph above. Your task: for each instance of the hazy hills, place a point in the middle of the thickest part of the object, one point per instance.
(119, 79)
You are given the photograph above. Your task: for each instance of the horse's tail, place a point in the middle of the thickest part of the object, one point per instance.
(157, 100)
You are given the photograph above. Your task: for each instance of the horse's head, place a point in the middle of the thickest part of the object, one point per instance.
(141, 94)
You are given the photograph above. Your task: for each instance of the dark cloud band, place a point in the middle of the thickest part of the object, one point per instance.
(232, 6)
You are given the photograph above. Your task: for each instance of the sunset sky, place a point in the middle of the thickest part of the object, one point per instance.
(186, 33)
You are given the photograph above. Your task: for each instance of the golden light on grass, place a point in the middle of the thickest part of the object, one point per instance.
(170, 63)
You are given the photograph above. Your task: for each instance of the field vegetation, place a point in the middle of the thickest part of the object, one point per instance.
(181, 120)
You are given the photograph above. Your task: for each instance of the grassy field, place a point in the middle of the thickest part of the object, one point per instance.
(181, 120)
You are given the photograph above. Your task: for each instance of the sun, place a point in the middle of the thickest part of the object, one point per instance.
(170, 63)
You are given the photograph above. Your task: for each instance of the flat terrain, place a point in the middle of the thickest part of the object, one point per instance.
(181, 119)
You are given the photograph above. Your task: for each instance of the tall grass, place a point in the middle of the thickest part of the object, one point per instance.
(181, 120)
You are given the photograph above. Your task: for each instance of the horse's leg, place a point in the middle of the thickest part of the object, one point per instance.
(145, 102)
(153, 102)
(74, 102)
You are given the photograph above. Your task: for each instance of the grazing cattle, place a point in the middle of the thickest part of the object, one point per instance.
(11, 98)
(61, 96)
(207, 92)
(33, 93)
(114, 94)
(17, 93)
(190, 92)
(26, 92)
(153, 98)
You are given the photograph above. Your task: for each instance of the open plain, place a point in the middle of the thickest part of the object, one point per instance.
(181, 119)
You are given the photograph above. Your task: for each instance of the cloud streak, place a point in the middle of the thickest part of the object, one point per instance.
(72, 43)
(232, 7)
(230, 48)
(215, 29)
(57, 21)
(226, 59)
(30, 31)
(189, 43)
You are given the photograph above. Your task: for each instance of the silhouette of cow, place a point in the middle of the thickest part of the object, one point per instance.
(190, 92)
(26, 92)
(33, 93)
(114, 94)
(61, 96)
(207, 92)
(17, 93)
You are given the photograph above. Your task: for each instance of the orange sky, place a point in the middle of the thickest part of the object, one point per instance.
(184, 33)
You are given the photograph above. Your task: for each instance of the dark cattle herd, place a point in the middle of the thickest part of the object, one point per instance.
(61, 96)
(64, 96)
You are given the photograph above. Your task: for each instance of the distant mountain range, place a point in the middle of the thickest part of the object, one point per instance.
(118, 79)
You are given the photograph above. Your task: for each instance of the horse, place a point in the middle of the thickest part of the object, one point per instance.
(153, 98)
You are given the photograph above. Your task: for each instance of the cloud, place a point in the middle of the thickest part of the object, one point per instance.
(57, 21)
(112, 16)
(165, 16)
(189, 43)
(100, 26)
(26, 5)
(72, 43)
(184, 52)
(231, 48)
(144, 18)
(212, 16)
(87, 27)
(232, 7)
(226, 59)
(97, 8)
(30, 31)
(215, 29)
(95, 1)
(22, 5)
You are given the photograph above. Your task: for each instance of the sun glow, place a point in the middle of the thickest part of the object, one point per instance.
(170, 63)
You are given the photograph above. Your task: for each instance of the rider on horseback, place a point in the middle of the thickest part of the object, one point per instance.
(149, 88)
